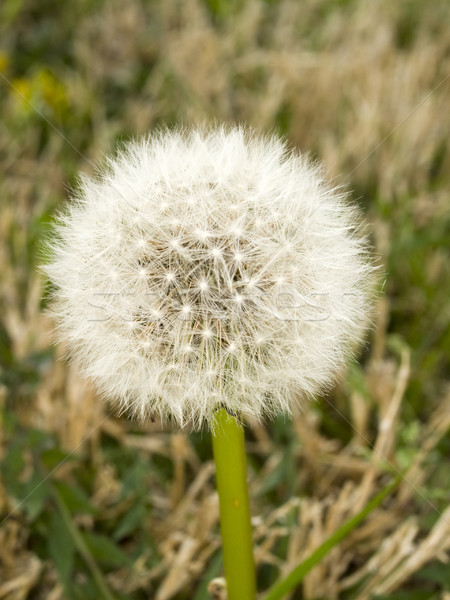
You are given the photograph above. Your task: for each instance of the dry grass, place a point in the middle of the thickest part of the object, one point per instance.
(360, 86)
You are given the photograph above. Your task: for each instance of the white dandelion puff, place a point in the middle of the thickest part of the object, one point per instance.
(210, 268)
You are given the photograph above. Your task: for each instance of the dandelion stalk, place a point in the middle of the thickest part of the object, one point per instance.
(231, 476)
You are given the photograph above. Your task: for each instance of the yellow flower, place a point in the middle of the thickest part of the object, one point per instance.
(21, 93)
(4, 61)
(52, 90)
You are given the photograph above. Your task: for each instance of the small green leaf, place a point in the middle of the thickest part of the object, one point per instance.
(105, 551)
(61, 547)
(36, 492)
(80, 542)
(131, 521)
(75, 499)
(13, 464)
(436, 572)
(54, 457)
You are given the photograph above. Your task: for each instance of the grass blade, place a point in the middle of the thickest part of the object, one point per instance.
(296, 576)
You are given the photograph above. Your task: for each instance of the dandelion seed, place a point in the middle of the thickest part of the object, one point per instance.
(201, 234)
(175, 244)
(236, 230)
(186, 310)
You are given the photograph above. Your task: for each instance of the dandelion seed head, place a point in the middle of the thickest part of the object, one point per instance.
(225, 271)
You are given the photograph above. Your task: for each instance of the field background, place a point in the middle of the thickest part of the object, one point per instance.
(359, 85)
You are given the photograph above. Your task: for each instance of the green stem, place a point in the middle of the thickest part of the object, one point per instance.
(82, 548)
(287, 585)
(231, 476)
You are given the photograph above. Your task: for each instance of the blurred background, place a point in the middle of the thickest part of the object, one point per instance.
(88, 499)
